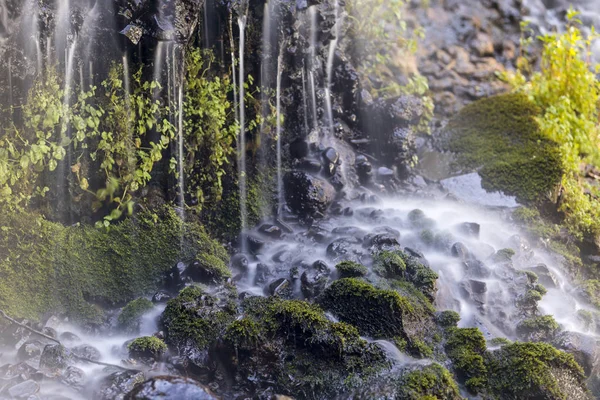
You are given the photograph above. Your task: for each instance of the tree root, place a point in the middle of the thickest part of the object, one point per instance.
(12, 320)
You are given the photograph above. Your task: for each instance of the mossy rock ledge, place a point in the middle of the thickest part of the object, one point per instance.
(500, 138)
(79, 270)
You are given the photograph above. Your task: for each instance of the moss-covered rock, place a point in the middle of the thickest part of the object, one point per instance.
(389, 264)
(537, 329)
(208, 269)
(147, 347)
(429, 382)
(501, 138)
(466, 348)
(351, 269)
(130, 317)
(399, 265)
(196, 318)
(375, 312)
(73, 269)
(528, 371)
(297, 350)
(448, 319)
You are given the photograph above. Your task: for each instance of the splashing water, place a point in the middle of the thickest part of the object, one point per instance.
(242, 134)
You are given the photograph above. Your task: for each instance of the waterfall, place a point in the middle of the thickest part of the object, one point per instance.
(158, 61)
(280, 197)
(181, 177)
(330, 58)
(62, 28)
(126, 78)
(242, 134)
(312, 11)
(304, 101)
(10, 86)
(265, 95)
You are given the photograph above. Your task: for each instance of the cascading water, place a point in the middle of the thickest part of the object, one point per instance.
(280, 194)
(312, 12)
(242, 179)
(331, 56)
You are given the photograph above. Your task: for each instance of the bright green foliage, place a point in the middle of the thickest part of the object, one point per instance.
(209, 137)
(39, 145)
(147, 347)
(534, 371)
(501, 138)
(466, 348)
(49, 267)
(131, 315)
(448, 319)
(568, 93)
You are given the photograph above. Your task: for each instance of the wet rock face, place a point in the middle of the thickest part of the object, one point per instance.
(170, 388)
(307, 195)
(170, 20)
(116, 385)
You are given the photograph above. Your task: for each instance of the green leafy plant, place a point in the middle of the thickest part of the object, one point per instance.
(568, 93)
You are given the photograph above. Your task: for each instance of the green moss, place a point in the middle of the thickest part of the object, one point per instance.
(499, 341)
(430, 382)
(375, 312)
(531, 276)
(427, 236)
(351, 269)
(323, 358)
(592, 291)
(586, 317)
(213, 268)
(503, 255)
(130, 317)
(541, 289)
(530, 299)
(147, 347)
(72, 269)
(466, 347)
(448, 319)
(389, 264)
(533, 371)
(243, 333)
(420, 348)
(196, 316)
(500, 137)
(536, 329)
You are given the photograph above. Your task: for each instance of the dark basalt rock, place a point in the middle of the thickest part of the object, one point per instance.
(309, 165)
(313, 283)
(87, 352)
(281, 287)
(30, 349)
(299, 149)
(470, 229)
(271, 231)
(263, 273)
(118, 384)
(161, 297)
(55, 357)
(545, 276)
(307, 195)
(240, 261)
(170, 388)
(343, 249)
(460, 251)
(74, 377)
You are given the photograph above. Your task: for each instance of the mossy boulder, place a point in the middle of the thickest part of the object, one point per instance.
(466, 348)
(196, 318)
(538, 329)
(500, 137)
(427, 382)
(130, 317)
(399, 265)
(351, 269)
(78, 269)
(208, 269)
(297, 350)
(528, 371)
(375, 312)
(147, 348)
(389, 264)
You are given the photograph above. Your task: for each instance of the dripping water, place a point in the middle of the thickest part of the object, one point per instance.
(10, 86)
(304, 101)
(242, 138)
(280, 198)
(312, 64)
(180, 150)
(330, 58)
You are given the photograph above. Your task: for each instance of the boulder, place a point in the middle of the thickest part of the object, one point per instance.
(307, 195)
(170, 388)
